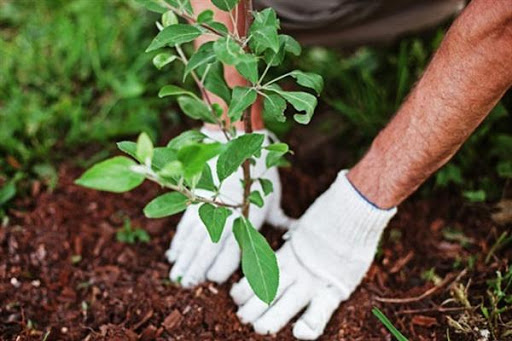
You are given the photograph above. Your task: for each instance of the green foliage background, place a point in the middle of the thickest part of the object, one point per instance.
(74, 73)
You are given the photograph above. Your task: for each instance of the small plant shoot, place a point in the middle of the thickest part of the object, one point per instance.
(182, 165)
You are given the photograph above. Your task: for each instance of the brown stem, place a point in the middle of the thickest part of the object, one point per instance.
(246, 167)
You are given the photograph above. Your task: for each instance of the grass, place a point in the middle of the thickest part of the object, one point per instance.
(388, 324)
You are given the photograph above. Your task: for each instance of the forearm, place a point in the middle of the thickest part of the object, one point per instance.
(466, 78)
(233, 78)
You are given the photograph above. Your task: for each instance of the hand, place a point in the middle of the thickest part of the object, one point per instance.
(195, 257)
(329, 250)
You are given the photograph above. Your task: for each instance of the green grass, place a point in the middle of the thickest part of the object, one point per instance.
(388, 324)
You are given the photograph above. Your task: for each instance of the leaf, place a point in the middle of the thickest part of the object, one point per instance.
(112, 175)
(215, 82)
(475, 196)
(259, 263)
(301, 101)
(242, 98)
(7, 192)
(169, 18)
(220, 27)
(203, 56)
(275, 154)
(162, 59)
(194, 157)
(274, 107)
(263, 31)
(214, 218)
(309, 80)
(247, 66)
(162, 156)
(166, 205)
(173, 90)
(256, 198)
(129, 148)
(144, 149)
(205, 16)
(267, 186)
(290, 44)
(174, 35)
(238, 150)
(195, 108)
(186, 138)
(225, 5)
(280, 147)
(172, 170)
(153, 5)
(206, 180)
(228, 51)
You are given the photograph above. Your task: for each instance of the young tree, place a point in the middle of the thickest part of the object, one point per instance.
(182, 166)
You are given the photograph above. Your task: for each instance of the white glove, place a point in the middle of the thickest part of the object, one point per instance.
(329, 250)
(195, 257)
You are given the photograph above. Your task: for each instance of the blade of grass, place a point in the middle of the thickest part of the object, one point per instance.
(387, 323)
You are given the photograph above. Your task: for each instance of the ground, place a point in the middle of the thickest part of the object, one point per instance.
(64, 276)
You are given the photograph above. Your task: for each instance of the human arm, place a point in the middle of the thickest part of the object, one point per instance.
(333, 244)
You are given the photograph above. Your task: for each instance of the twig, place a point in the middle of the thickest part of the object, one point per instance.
(246, 167)
(448, 279)
(429, 310)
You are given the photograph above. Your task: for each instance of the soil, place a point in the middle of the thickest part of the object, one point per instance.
(63, 275)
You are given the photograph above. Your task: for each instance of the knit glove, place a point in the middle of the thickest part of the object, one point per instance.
(328, 252)
(196, 258)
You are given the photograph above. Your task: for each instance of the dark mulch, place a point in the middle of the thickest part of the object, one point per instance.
(62, 270)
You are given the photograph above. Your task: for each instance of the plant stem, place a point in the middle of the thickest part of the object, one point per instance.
(246, 166)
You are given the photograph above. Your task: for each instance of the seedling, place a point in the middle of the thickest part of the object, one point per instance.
(181, 166)
(130, 235)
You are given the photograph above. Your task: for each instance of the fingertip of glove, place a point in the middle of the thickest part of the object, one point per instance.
(303, 331)
(170, 255)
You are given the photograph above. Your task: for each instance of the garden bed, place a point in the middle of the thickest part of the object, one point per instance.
(62, 270)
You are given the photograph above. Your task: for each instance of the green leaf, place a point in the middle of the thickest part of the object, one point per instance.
(275, 154)
(387, 323)
(173, 170)
(195, 108)
(215, 82)
(166, 205)
(112, 175)
(242, 98)
(290, 44)
(267, 186)
(7, 192)
(174, 35)
(203, 56)
(186, 138)
(247, 66)
(309, 80)
(129, 148)
(274, 107)
(301, 101)
(194, 157)
(153, 5)
(225, 5)
(169, 18)
(173, 90)
(144, 149)
(206, 180)
(205, 16)
(280, 147)
(259, 263)
(162, 156)
(475, 196)
(263, 31)
(238, 150)
(220, 27)
(228, 51)
(162, 59)
(256, 198)
(214, 218)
